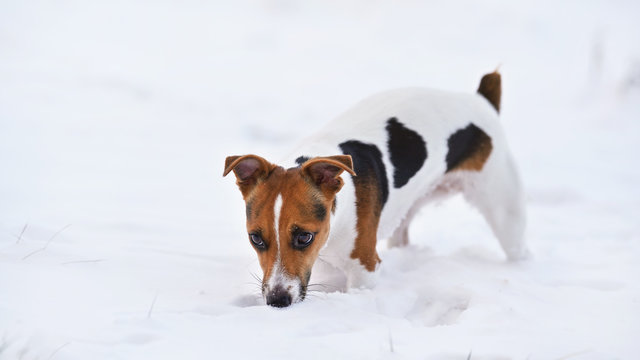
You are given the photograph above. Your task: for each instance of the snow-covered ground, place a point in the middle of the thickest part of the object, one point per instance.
(119, 238)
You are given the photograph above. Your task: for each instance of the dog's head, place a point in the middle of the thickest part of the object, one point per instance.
(288, 213)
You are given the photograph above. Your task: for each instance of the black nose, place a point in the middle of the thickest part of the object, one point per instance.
(278, 297)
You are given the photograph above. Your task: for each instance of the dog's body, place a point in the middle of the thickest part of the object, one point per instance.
(406, 147)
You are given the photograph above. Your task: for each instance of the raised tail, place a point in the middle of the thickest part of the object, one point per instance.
(491, 88)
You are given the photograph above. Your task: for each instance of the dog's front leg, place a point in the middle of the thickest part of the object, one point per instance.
(365, 258)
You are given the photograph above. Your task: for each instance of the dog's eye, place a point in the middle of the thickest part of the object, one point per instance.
(302, 240)
(257, 241)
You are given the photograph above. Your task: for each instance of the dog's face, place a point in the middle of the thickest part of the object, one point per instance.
(288, 217)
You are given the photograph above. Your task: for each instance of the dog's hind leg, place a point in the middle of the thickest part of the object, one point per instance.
(498, 194)
(400, 236)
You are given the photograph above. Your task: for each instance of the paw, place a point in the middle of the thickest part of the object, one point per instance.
(516, 255)
(359, 277)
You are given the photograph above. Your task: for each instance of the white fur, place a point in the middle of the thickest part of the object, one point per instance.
(496, 190)
(277, 209)
(279, 276)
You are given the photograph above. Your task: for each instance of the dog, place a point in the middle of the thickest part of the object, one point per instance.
(400, 149)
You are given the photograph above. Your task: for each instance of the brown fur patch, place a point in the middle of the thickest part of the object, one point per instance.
(469, 149)
(368, 209)
(262, 200)
(491, 88)
(299, 197)
(476, 161)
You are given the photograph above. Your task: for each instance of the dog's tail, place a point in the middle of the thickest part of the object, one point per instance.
(491, 88)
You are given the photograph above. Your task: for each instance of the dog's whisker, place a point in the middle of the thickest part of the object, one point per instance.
(316, 296)
(255, 276)
(325, 287)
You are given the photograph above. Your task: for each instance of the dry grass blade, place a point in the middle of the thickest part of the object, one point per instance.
(153, 303)
(58, 349)
(48, 242)
(24, 228)
(82, 261)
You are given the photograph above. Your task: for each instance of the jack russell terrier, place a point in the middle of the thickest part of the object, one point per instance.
(401, 150)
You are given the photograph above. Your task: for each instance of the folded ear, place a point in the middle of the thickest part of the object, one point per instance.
(248, 170)
(325, 171)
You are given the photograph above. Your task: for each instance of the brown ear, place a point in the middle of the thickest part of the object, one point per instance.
(248, 169)
(325, 171)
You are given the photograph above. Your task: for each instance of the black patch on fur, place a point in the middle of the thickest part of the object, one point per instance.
(334, 205)
(368, 166)
(249, 209)
(407, 150)
(301, 160)
(304, 284)
(319, 211)
(463, 144)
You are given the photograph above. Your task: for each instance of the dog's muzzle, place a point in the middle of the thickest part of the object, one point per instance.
(278, 297)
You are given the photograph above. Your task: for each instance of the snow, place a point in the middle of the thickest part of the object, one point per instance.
(116, 117)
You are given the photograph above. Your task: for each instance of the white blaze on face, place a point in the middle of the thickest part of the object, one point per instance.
(278, 275)
(277, 209)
